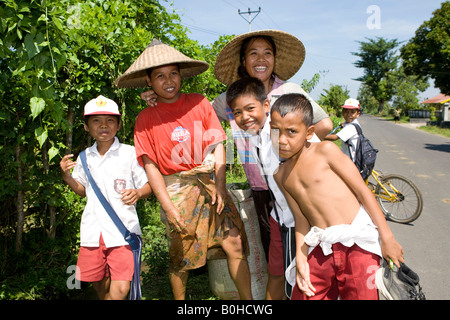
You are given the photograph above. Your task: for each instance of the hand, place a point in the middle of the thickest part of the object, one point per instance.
(67, 164)
(391, 249)
(219, 196)
(176, 222)
(130, 196)
(303, 280)
(149, 97)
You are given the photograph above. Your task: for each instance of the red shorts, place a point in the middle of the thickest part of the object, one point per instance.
(348, 273)
(276, 264)
(96, 263)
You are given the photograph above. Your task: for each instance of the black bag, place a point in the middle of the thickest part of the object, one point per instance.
(365, 154)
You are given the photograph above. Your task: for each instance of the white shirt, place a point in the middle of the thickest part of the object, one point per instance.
(117, 170)
(349, 133)
(268, 165)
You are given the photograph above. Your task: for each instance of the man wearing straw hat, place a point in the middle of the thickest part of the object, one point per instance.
(179, 143)
(273, 57)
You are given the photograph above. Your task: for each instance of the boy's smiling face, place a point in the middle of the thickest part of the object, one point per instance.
(166, 82)
(350, 114)
(249, 113)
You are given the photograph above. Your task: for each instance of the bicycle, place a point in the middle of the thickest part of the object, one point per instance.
(399, 198)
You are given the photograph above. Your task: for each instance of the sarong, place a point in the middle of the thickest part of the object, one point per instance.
(191, 193)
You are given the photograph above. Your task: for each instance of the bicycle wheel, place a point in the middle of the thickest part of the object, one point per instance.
(406, 204)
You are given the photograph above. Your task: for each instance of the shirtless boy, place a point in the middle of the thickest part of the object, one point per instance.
(339, 225)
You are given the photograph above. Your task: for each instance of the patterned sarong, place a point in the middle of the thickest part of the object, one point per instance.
(191, 193)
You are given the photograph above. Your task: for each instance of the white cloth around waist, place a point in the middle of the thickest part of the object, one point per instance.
(362, 232)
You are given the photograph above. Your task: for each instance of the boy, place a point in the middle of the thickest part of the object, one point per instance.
(348, 134)
(179, 143)
(105, 258)
(250, 107)
(338, 222)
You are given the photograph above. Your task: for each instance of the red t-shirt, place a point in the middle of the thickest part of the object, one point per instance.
(176, 135)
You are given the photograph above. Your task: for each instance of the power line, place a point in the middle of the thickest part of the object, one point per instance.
(250, 19)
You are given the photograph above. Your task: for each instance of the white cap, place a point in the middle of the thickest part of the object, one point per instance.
(351, 104)
(101, 105)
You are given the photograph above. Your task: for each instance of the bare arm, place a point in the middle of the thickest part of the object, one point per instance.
(220, 171)
(158, 186)
(331, 137)
(66, 165)
(323, 127)
(348, 172)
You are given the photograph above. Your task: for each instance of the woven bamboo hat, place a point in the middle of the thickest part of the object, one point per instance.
(290, 54)
(155, 55)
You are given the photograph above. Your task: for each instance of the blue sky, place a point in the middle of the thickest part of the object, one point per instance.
(328, 29)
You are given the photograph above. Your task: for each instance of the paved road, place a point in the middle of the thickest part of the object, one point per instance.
(425, 159)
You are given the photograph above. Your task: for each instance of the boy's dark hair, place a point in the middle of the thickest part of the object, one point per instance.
(86, 118)
(246, 86)
(294, 102)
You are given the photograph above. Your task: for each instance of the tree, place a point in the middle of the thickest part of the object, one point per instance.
(379, 60)
(54, 56)
(407, 88)
(427, 54)
(334, 98)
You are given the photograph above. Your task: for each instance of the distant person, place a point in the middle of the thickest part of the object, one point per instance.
(105, 258)
(348, 135)
(341, 232)
(396, 115)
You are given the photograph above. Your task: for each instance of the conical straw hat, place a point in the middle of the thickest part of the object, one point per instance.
(155, 55)
(290, 54)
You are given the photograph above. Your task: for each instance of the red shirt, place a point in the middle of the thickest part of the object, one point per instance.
(176, 135)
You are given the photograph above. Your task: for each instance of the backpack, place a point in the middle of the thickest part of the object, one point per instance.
(365, 154)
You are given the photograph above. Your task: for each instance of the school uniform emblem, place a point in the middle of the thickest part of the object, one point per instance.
(120, 185)
(180, 134)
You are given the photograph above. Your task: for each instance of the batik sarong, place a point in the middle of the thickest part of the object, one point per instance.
(191, 193)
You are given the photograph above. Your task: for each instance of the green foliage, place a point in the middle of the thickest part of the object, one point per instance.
(55, 55)
(379, 60)
(333, 99)
(427, 54)
(308, 86)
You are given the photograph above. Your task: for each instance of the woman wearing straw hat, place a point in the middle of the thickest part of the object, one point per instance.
(179, 143)
(273, 57)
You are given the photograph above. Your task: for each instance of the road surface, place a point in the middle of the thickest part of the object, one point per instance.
(424, 158)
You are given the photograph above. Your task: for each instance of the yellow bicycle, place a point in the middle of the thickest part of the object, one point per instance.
(399, 198)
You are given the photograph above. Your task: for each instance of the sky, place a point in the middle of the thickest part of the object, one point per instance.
(330, 30)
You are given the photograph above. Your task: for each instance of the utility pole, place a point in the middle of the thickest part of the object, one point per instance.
(250, 19)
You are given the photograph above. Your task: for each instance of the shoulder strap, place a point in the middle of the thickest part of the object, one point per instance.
(358, 128)
(115, 218)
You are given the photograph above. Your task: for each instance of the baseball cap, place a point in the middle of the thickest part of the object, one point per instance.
(351, 104)
(101, 105)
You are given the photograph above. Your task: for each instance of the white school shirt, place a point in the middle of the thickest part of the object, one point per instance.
(349, 133)
(268, 163)
(117, 170)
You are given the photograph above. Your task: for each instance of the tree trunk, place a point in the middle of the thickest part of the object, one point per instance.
(51, 232)
(69, 136)
(380, 106)
(19, 199)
